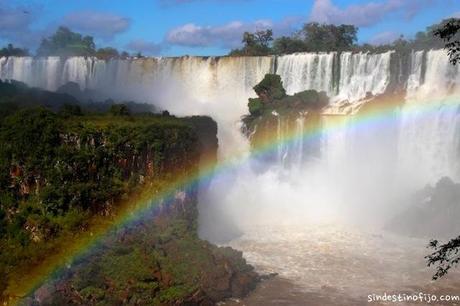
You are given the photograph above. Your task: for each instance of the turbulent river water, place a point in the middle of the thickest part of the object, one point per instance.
(315, 220)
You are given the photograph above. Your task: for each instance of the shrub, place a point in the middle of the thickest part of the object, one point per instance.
(255, 106)
(270, 88)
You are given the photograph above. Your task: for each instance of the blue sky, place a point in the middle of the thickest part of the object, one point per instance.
(209, 27)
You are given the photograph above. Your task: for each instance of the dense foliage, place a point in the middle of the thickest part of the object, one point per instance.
(64, 173)
(66, 43)
(10, 50)
(59, 168)
(272, 97)
(316, 37)
(155, 265)
(257, 44)
(449, 31)
(14, 95)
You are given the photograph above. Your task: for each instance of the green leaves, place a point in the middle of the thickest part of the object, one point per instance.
(66, 43)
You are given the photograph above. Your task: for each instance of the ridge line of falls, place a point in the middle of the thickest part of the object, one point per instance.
(313, 212)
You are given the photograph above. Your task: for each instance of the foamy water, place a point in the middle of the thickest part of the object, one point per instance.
(339, 263)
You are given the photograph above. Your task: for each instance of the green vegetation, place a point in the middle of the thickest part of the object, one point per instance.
(155, 265)
(316, 37)
(14, 95)
(119, 110)
(255, 106)
(273, 106)
(66, 172)
(272, 97)
(66, 43)
(270, 88)
(449, 31)
(255, 44)
(61, 167)
(54, 166)
(107, 53)
(10, 50)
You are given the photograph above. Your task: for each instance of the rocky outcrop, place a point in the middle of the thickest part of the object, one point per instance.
(160, 261)
(81, 169)
(276, 117)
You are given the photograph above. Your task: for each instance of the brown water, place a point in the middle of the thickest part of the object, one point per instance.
(329, 264)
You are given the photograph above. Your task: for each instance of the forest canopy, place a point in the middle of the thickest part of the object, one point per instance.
(317, 37)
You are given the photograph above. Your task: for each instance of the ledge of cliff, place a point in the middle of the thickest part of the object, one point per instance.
(65, 176)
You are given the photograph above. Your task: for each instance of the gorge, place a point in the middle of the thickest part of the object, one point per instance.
(315, 217)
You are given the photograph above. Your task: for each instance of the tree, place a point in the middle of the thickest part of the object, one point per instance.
(447, 255)
(68, 110)
(120, 110)
(107, 53)
(10, 50)
(66, 43)
(328, 37)
(255, 106)
(255, 44)
(287, 45)
(449, 31)
(270, 88)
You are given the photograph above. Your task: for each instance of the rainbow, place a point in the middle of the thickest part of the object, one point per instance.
(147, 204)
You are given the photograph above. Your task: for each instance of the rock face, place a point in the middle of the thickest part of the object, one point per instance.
(80, 168)
(434, 213)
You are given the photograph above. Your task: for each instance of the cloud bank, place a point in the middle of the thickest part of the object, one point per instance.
(228, 35)
(364, 15)
(146, 47)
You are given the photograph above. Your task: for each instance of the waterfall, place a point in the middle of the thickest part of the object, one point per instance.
(415, 77)
(307, 71)
(220, 87)
(361, 73)
(429, 142)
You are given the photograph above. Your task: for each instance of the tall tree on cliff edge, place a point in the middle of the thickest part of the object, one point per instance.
(255, 44)
(447, 255)
(67, 43)
(328, 37)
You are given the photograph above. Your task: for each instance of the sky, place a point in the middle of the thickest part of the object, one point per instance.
(209, 27)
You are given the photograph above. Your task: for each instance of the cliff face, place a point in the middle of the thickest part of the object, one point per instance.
(63, 175)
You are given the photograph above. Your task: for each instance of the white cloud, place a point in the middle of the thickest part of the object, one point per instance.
(384, 38)
(228, 35)
(368, 14)
(146, 47)
(102, 25)
(15, 22)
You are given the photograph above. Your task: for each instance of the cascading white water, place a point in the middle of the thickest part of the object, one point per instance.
(357, 174)
(359, 73)
(429, 141)
(220, 87)
(307, 71)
